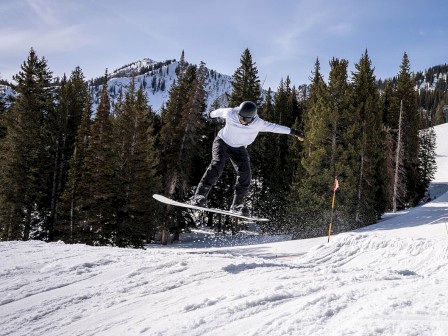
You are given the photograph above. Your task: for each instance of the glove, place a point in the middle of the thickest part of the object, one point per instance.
(298, 134)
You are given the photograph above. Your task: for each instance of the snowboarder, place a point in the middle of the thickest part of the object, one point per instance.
(241, 128)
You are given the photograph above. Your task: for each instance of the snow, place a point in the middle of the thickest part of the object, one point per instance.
(441, 175)
(386, 279)
(216, 86)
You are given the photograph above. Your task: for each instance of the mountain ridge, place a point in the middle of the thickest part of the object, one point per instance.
(157, 79)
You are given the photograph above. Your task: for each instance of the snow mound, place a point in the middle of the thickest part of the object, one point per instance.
(358, 284)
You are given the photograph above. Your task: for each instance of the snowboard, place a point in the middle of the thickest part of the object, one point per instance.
(169, 201)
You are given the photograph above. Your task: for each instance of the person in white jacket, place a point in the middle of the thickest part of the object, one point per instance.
(241, 128)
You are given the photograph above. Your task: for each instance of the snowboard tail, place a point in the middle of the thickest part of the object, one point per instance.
(169, 201)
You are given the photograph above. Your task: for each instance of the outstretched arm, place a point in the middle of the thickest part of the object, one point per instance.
(275, 128)
(219, 113)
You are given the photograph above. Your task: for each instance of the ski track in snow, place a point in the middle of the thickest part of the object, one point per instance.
(386, 279)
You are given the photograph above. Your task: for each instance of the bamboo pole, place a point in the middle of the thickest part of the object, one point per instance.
(336, 186)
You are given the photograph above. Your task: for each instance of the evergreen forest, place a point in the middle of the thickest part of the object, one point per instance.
(77, 174)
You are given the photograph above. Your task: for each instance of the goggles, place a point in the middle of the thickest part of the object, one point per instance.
(246, 119)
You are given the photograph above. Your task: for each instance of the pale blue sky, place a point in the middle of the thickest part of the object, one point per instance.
(285, 37)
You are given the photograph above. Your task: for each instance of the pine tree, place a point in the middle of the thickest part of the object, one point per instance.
(405, 93)
(25, 158)
(330, 150)
(308, 200)
(63, 127)
(180, 136)
(261, 159)
(56, 128)
(192, 121)
(179, 133)
(137, 173)
(78, 94)
(75, 193)
(345, 124)
(370, 201)
(387, 105)
(274, 156)
(182, 65)
(100, 178)
(147, 178)
(245, 82)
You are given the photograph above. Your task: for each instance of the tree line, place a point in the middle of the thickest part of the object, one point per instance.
(82, 176)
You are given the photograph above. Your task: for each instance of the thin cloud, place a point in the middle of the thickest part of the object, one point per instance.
(45, 10)
(55, 40)
(296, 39)
(341, 29)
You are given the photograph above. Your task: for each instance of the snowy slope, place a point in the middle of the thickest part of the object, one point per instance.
(441, 175)
(216, 84)
(386, 279)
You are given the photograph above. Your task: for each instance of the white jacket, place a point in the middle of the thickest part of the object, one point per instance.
(235, 134)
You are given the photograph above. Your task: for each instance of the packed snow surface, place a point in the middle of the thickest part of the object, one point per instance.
(386, 279)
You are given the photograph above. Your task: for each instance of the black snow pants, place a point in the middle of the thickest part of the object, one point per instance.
(240, 160)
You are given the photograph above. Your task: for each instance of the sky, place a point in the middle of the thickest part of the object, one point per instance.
(284, 37)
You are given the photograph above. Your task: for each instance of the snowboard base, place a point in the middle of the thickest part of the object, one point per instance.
(169, 201)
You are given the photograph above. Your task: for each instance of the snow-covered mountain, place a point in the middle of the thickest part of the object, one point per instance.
(433, 78)
(6, 91)
(440, 80)
(157, 79)
(386, 279)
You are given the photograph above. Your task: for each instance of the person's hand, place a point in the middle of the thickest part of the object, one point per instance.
(298, 134)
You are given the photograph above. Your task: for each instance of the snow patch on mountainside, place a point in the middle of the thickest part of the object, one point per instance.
(157, 83)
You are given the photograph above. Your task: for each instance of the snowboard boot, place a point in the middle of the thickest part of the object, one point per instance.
(238, 206)
(200, 197)
(198, 200)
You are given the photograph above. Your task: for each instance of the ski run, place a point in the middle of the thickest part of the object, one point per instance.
(390, 278)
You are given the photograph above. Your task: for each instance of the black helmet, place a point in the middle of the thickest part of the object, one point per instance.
(247, 111)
